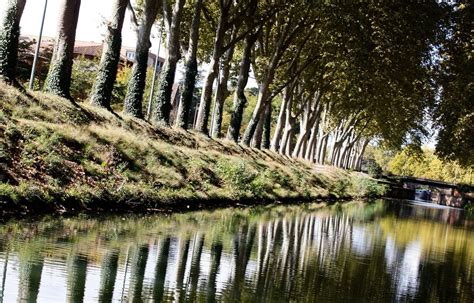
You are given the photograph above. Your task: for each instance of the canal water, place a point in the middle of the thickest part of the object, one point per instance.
(383, 251)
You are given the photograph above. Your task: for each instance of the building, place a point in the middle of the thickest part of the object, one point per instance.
(93, 50)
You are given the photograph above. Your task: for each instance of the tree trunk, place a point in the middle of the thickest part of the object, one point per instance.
(58, 81)
(267, 124)
(240, 101)
(258, 134)
(222, 93)
(288, 127)
(257, 113)
(136, 85)
(358, 163)
(167, 75)
(191, 70)
(312, 142)
(275, 144)
(206, 97)
(107, 73)
(9, 35)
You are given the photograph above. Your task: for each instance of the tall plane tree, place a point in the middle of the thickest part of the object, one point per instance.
(136, 86)
(190, 70)
(163, 97)
(9, 35)
(240, 100)
(58, 81)
(231, 14)
(104, 83)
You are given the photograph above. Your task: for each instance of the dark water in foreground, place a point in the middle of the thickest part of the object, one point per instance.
(380, 252)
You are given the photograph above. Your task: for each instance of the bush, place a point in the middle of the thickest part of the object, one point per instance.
(340, 188)
(373, 168)
(237, 175)
(365, 187)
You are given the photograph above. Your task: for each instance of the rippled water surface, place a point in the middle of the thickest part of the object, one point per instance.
(379, 252)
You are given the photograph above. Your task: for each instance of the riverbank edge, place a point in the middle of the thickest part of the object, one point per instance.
(99, 207)
(59, 157)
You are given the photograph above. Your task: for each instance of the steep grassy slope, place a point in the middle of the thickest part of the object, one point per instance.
(58, 156)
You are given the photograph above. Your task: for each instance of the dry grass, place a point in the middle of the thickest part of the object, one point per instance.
(54, 150)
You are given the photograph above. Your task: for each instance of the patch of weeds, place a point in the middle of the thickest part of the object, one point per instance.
(12, 133)
(236, 174)
(9, 193)
(199, 173)
(278, 178)
(340, 188)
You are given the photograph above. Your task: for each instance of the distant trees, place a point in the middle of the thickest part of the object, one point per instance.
(58, 81)
(331, 77)
(9, 35)
(425, 164)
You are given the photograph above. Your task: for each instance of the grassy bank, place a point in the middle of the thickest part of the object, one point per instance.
(59, 157)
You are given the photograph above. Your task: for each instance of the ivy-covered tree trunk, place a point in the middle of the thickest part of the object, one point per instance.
(163, 96)
(136, 86)
(267, 124)
(58, 81)
(191, 70)
(221, 94)
(9, 35)
(104, 83)
(240, 101)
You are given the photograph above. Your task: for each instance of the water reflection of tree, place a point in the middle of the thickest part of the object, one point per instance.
(31, 267)
(108, 275)
(282, 253)
(160, 270)
(138, 265)
(76, 278)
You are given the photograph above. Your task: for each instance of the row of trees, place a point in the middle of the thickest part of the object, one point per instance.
(339, 74)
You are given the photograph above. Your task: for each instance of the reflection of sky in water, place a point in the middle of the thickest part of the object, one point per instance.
(409, 269)
(390, 253)
(361, 241)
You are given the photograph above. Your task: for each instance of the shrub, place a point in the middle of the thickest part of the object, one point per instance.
(236, 174)
(365, 187)
(373, 168)
(340, 188)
